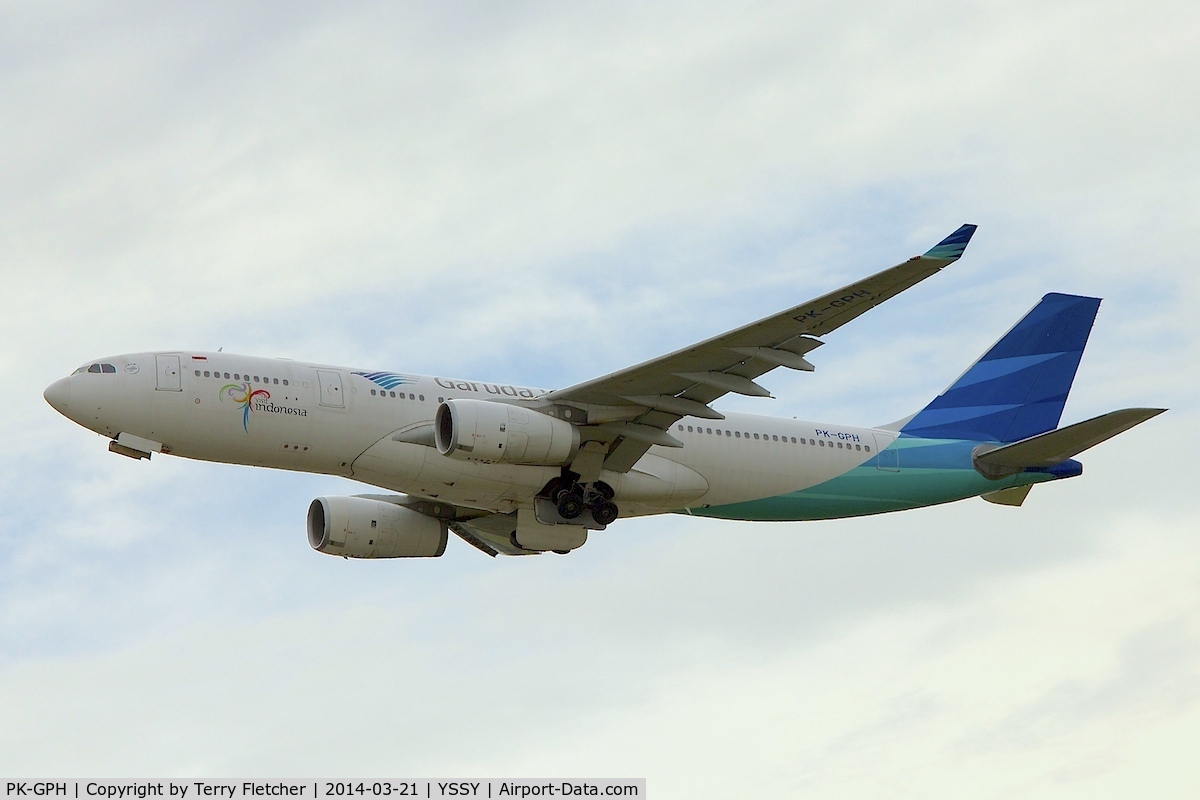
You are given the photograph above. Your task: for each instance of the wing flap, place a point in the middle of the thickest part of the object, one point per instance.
(491, 534)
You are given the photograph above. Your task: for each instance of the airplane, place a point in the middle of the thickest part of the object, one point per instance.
(515, 470)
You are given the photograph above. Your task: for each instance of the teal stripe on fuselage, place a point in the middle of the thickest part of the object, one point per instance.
(930, 471)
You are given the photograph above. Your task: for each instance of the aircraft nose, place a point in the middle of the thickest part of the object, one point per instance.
(58, 394)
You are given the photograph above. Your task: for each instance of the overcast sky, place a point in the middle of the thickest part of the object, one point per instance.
(539, 195)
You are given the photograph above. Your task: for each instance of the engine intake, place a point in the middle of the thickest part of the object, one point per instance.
(360, 527)
(478, 430)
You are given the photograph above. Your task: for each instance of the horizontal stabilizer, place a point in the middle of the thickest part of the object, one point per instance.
(1054, 447)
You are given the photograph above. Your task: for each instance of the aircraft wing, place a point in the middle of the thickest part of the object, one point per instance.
(658, 392)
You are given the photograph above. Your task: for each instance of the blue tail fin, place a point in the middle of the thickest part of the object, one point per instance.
(1019, 387)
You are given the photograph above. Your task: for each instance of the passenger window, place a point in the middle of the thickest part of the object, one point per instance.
(681, 428)
(422, 398)
(256, 379)
(867, 448)
(226, 375)
(738, 434)
(206, 374)
(858, 447)
(821, 442)
(197, 373)
(393, 394)
(756, 436)
(690, 429)
(774, 438)
(794, 440)
(709, 430)
(285, 383)
(276, 381)
(372, 393)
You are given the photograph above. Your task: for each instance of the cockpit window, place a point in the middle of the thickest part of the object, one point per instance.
(95, 368)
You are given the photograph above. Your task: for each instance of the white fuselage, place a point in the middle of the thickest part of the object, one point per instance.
(333, 420)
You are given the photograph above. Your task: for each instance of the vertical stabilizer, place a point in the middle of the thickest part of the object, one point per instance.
(1019, 387)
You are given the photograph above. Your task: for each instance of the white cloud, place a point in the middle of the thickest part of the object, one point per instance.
(545, 194)
(1058, 678)
(1052, 683)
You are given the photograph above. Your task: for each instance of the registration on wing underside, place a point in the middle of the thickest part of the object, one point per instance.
(836, 304)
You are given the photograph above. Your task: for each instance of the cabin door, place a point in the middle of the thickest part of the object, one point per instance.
(331, 388)
(886, 459)
(168, 373)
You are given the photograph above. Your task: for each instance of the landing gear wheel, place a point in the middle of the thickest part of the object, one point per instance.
(605, 512)
(604, 490)
(569, 506)
(555, 488)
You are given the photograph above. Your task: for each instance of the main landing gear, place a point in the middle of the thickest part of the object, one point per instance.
(573, 498)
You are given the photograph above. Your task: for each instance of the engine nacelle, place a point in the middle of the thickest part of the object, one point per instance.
(359, 527)
(478, 430)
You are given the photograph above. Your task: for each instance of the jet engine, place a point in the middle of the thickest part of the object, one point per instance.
(361, 527)
(478, 430)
